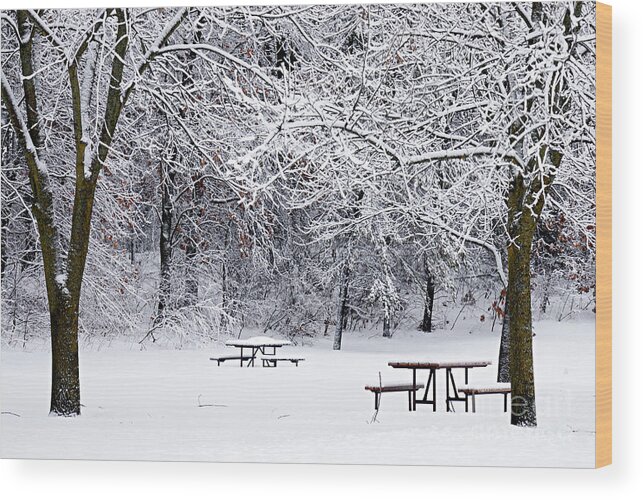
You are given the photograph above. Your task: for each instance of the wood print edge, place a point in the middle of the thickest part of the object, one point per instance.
(603, 235)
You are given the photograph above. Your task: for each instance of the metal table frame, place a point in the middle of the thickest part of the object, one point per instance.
(255, 349)
(431, 384)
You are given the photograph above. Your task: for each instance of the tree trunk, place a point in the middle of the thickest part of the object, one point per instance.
(522, 225)
(503, 356)
(545, 299)
(386, 324)
(191, 283)
(132, 251)
(342, 300)
(224, 289)
(427, 319)
(521, 363)
(4, 223)
(191, 295)
(165, 240)
(65, 377)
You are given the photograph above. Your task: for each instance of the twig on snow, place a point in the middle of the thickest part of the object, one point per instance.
(201, 405)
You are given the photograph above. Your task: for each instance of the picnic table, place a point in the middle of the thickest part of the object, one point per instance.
(256, 345)
(433, 367)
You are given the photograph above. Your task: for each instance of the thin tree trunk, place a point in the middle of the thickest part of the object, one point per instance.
(427, 318)
(191, 284)
(545, 300)
(4, 223)
(503, 356)
(132, 251)
(344, 279)
(165, 240)
(342, 300)
(192, 237)
(191, 295)
(224, 288)
(386, 324)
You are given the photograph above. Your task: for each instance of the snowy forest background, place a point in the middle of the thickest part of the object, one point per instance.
(307, 171)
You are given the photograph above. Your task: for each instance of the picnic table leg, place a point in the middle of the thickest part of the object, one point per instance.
(241, 360)
(473, 403)
(410, 401)
(414, 398)
(466, 403)
(456, 396)
(466, 375)
(426, 389)
(505, 395)
(448, 373)
(435, 395)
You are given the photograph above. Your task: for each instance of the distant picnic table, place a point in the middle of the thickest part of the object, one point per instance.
(264, 345)
(433, 367)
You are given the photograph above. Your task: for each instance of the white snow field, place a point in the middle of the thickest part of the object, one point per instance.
(177, 405)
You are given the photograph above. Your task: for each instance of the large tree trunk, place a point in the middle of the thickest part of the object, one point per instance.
(65, 377)
(521, 362)
(342, 300)
(427, 318)
(522, 225)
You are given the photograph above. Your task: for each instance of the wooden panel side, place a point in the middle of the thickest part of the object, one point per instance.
(603, 235)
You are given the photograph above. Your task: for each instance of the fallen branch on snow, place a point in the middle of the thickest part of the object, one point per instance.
(201, 405)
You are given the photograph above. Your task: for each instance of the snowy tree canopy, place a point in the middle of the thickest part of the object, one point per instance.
(303, 169)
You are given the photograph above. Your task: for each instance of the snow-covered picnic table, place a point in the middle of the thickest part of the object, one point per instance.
(256, 345)
(433, 367)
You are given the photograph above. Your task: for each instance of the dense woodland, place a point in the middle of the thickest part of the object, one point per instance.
(180, 175)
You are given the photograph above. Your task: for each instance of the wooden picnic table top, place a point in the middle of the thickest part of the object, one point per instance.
(436, 365)
(258, 342)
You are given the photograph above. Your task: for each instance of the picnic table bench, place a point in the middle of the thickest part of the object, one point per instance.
(222, 359)
(272, 360)
(504, 389)
(379, 389)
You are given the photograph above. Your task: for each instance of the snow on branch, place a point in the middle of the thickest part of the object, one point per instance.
(197, 47)
(20, 124)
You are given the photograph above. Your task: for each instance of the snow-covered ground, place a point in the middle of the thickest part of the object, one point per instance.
(178, 405)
